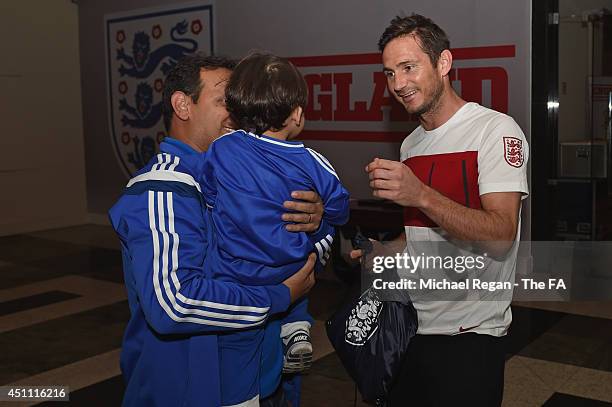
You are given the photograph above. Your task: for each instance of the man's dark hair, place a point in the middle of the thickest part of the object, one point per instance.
(185, 77)
(431, 38)
(263, 91)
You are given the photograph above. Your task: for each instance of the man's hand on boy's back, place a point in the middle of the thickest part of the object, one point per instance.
(306, 211)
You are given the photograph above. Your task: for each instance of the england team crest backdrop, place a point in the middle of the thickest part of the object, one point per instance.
(351, 117)
(142, 46)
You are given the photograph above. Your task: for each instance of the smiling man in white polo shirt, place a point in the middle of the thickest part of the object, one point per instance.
(462, 177)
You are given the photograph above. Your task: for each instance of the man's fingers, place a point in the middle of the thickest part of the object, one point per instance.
(303, 280)
(301, 227)
(310, 262)
(367, 167)
(306, 216)
(383, 184)
(309, 196)
(381, 174)
(308, 267)
(301, 222)
(384, 194)
(381, 163)
(304, 207)
(297, 217)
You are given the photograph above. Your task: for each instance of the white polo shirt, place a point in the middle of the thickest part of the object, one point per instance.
(476, 152)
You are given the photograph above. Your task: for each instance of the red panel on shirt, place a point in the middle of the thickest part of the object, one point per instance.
(454, 175)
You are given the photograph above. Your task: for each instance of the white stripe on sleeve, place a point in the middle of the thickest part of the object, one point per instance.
(325, 245)
(325, 166)
(177, 283)
(157, 228)
(319, 249)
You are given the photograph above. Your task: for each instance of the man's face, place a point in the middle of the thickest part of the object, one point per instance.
(411, 77)
(209, 116)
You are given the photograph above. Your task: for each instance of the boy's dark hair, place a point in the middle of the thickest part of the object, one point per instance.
(431, 38)
(185, 77)
(263, 91)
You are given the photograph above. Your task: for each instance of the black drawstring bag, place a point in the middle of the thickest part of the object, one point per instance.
(371, 335)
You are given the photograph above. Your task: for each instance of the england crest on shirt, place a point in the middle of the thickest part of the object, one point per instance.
(513, 151)
(141, 47)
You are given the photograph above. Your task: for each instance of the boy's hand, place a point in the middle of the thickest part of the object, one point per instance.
(307, 211)
(303, 280)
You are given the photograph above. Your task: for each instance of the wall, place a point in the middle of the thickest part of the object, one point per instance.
(105, 179)
(318, 28)
(321, 27)
(42, 172)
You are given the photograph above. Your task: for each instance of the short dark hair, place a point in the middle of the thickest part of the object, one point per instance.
(431, 38)
(263, 91)
(185, 77)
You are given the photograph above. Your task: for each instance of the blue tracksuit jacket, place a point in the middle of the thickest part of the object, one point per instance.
(247, 177)
(170, 348)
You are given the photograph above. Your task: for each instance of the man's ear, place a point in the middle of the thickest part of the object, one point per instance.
(445, 63)
(181, 104)
(297, 115)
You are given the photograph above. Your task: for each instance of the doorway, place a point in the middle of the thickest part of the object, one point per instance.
(571, 116)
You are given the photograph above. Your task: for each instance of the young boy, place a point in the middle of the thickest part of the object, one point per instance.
(247, 176)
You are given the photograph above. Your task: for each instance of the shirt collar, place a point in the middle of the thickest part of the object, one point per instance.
(177, 147)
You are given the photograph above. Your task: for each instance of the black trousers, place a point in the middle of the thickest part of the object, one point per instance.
(442, 370)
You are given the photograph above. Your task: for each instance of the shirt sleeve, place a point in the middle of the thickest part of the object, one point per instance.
(502, 158)
(335, 203)
(322, 240)
(335, 197)
(208, 179)
(164, 238)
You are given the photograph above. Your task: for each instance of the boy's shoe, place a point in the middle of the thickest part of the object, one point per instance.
(298, 352)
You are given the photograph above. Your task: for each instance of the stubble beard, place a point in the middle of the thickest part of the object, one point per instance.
(431, 105)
